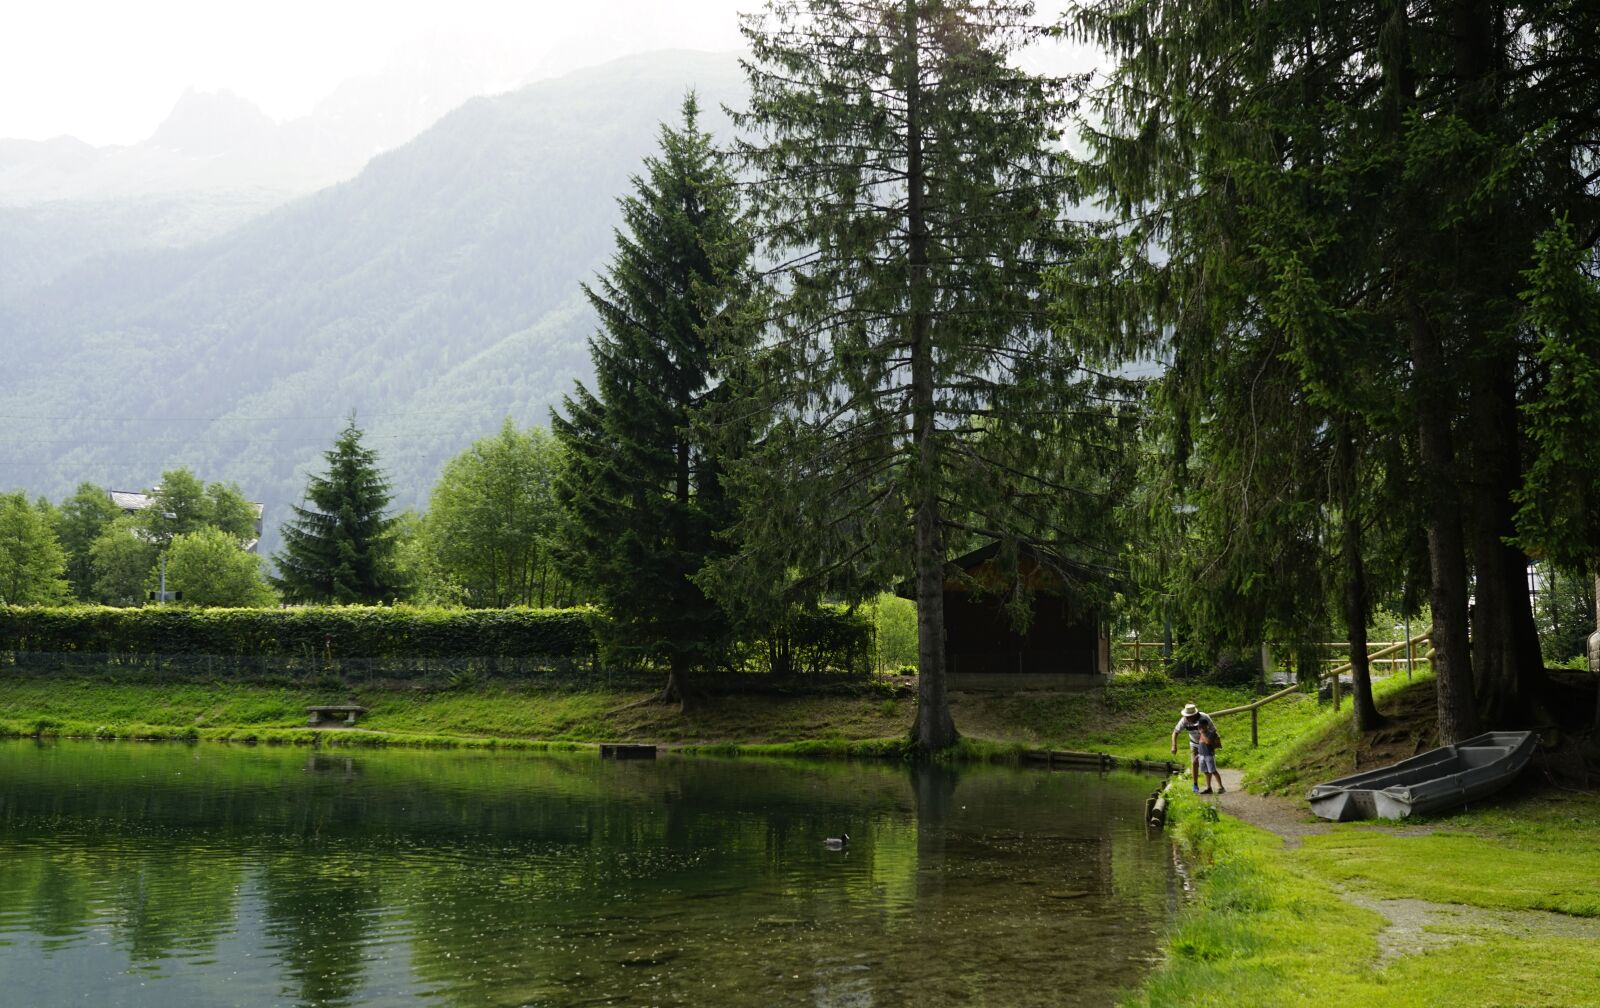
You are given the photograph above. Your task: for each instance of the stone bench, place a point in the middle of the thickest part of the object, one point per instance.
(344, 714)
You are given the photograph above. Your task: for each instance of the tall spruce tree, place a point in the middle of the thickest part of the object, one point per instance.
(1368, 183)
(643, 487)
(338, 550)
(910, 187)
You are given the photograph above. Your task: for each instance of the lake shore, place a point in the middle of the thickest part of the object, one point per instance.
(1132, 719)
(1495, 906)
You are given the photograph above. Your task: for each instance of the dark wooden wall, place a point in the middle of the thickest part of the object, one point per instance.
(980, 638)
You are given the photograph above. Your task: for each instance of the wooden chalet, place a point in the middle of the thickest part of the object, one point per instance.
(1065, 645)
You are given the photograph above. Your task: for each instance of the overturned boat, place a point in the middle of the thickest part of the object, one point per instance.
(1437, 780)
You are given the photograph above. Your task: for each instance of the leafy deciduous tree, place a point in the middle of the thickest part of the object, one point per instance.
(83, 517)
(32, 563)
(122, 556)
(493, 520)
(210, 569)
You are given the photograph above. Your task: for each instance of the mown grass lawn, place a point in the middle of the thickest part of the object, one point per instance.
(1512, 891)
(1132, 718)
(1269, 927)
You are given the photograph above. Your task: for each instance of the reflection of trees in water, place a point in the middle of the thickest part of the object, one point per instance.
(54, 891)
(156, 901)
(320, 912)
(541, 880)
(934, 786)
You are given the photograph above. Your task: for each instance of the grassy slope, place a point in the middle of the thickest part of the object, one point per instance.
(1269, 926)
(1131, 719)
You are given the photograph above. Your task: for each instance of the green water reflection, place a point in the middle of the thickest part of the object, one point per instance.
(170, 875)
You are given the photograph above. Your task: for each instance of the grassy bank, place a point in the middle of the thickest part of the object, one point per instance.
(1132, 718)
(1495, 906)
(1275, 927)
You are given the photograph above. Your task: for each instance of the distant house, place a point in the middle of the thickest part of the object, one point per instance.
(132, 501)
(1066, 643)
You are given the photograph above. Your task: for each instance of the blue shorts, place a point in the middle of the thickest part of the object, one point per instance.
(1203, 753)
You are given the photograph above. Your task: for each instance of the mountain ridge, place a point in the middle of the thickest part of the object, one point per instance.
(444, 275)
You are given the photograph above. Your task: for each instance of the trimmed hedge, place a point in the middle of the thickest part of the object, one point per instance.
(315, 634)
(397, 641)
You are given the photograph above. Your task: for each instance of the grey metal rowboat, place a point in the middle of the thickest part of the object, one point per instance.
(1440, 779)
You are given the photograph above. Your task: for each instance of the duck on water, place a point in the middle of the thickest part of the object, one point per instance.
(837, 842)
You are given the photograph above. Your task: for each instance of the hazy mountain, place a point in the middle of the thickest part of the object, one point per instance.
(217, 160)
(219, 142)
(43, 241)
(434, 293)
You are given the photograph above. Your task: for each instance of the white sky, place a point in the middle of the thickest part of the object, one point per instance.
(108, 71)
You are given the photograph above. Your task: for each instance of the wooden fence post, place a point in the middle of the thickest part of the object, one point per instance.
(1255, 739)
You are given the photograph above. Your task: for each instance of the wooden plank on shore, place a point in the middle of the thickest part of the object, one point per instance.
(1158, 809)
(1068, 757)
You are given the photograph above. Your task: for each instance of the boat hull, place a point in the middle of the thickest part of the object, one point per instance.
(1435, 781)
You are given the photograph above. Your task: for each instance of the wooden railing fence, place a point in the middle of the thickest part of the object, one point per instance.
(1379, 652)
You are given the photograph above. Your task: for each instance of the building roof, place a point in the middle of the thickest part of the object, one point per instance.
(1042, 569)
(133, 500)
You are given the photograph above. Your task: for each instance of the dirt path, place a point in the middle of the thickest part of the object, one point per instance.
(1278, 815)
(1413, 926)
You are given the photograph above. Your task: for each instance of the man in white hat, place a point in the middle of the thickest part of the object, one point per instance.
(1203, 740)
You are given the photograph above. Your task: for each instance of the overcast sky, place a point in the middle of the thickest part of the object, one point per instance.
(108, 71)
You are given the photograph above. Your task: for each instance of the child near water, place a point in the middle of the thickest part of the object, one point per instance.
(1202, 747)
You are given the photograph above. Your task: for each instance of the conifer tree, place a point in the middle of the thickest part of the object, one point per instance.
(1356, 191)
(643, 487)
(910, 187)
(338, 550)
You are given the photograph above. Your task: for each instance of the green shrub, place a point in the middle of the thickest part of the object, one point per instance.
(461, 646)
(310, 638)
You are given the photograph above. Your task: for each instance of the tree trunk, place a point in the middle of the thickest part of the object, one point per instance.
(935, 729)
(677, 688)
(1508, 667)
(1355, 582)
(1432, 394)
(1458, 718)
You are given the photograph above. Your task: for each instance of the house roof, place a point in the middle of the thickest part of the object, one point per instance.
(1051, 565)
(131, 500)
(134, 500)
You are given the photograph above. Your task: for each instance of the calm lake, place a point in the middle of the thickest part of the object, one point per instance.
(170, 875)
